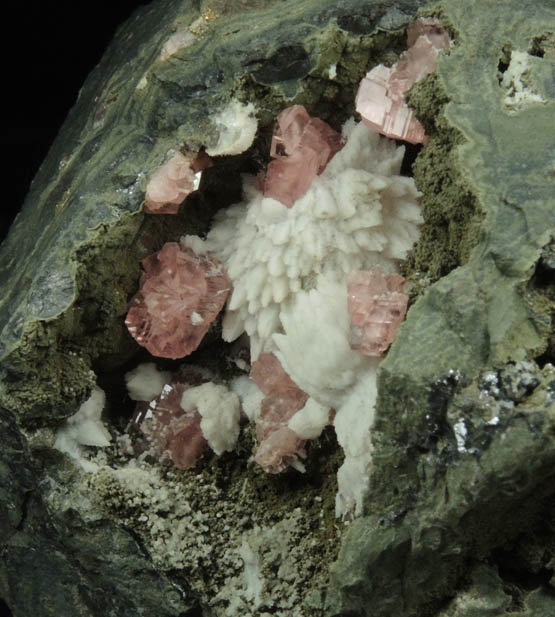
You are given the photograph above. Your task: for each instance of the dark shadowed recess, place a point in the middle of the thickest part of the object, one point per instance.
(5, 609)
(52, 48)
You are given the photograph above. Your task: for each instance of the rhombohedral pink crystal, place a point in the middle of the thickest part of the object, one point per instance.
(377, 304)
(301, 147)
(278, 445)
(172, 182)
(380, 100)
(180, 295)
(168, 432)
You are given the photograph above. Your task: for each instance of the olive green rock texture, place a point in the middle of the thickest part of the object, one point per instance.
(460, 515)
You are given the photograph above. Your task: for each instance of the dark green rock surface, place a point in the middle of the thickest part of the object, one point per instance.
(54, 563)
(439, 504)
(460, 517)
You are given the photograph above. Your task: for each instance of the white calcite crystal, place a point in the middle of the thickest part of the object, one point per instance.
(84, 428)
(289, 269)
(145, 382)
(359, 213)
(219, 409)
(237, 125)
(177, 41)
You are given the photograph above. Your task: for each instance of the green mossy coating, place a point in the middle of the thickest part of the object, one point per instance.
(452, 216)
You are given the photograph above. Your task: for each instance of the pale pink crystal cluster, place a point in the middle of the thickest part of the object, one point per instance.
(173, 181)
(278, 445)
(380, 100)
(377, 304)
(180, 295)
(301, 148)
(170, 433)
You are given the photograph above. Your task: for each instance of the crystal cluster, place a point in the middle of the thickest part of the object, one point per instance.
(380, 100)
(278, 445)
(357, 214)
(312, 257)
(172, 435)
(289, 268)
(377, 304)
(170, 184)
(180, 295)
(188, 416)
(301, 148)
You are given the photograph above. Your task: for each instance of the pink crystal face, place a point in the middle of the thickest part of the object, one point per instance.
(171, 434)
(180, 295)
(377, 304)
(301, 147)
(172, 182)
(278, 445)
(380, 97)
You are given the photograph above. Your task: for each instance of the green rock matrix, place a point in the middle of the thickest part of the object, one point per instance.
(464, 433)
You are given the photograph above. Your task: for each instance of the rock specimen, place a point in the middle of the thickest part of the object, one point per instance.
(180, 296)
(169, 185)
(289, 268)
(380, 99)
(457, 513)
(377, 305)
(301, 148)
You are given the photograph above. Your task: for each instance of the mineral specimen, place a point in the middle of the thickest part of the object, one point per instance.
(289, 268)
(301, 147)
(180, 295)
(380, 100)
(278, 445)
(377, 305)
(172, 182)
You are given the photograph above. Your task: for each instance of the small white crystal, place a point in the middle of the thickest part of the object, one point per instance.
(237, 125)
(84, 428)
(145, 382)
(220, 411)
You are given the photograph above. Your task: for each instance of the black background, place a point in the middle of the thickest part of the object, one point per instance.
(47, 50)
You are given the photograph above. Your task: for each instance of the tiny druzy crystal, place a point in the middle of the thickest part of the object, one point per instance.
(180, 295)
(380, 100)
(377, 304)
(301, 148)
(278, 445)
(173, 181)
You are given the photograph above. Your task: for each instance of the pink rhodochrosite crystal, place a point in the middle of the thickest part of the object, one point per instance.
(171, 434)
(172, 182)
(180, 295)
(380, 100)
(377, 304)
(301, 147)
(278, 445)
